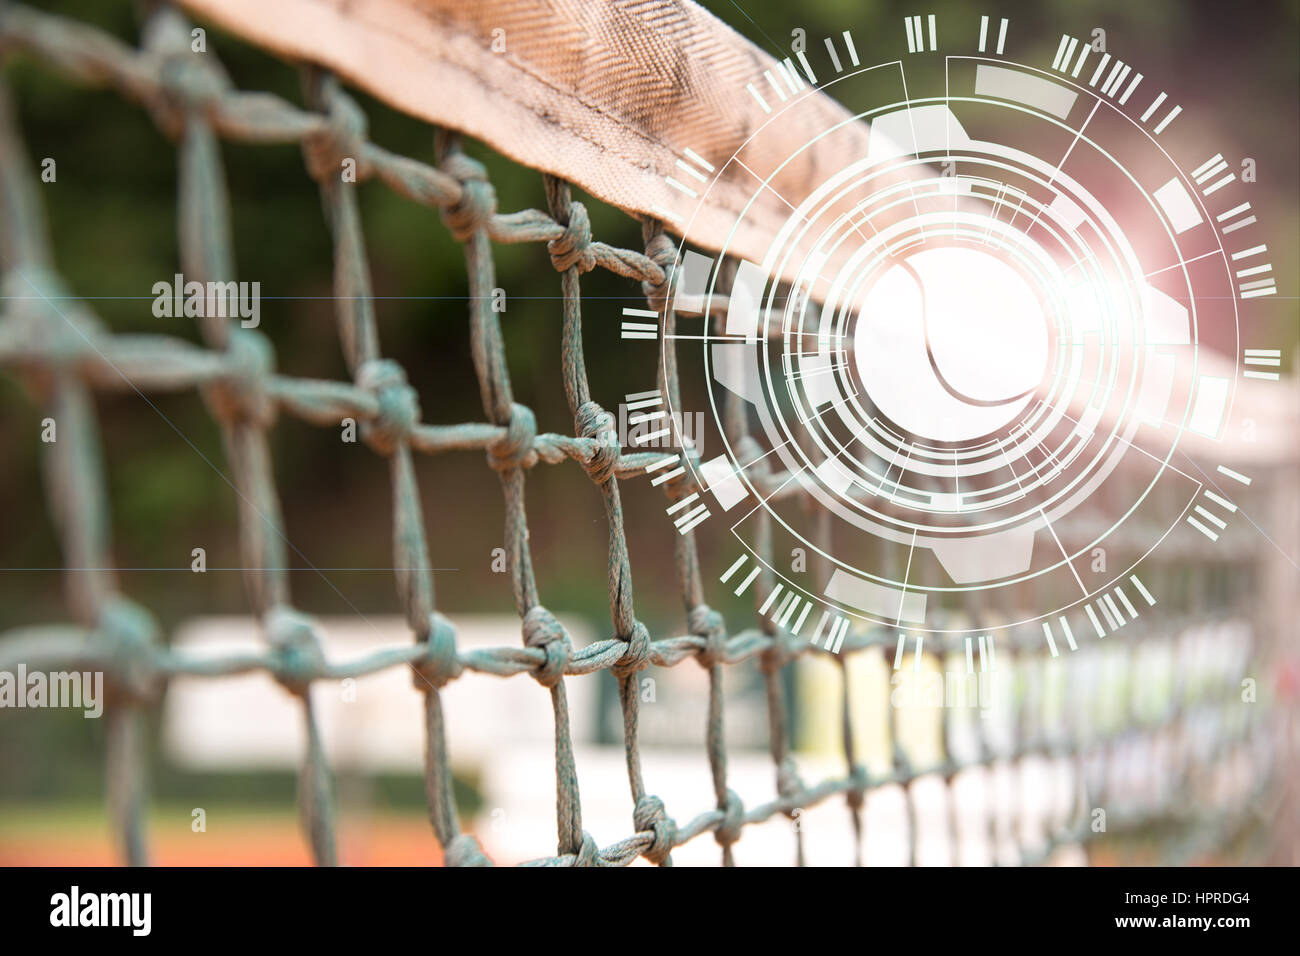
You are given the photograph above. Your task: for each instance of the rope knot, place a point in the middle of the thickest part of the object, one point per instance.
(478, 200)
(733, 819)
(707, 623)
(684, 485)
(190, 82)
(541, 629)
(788, 782)
(194, 81)
(241, 395)
(440, 663)
(573, 248)
(130, 631)
(649, 816)
(36, 336)
(399, 406)
(636, 655)
(597, 424)
(660, 250)
(293, 637)
(343, 137)
(464, 851)
(588, 853)
(515, 449)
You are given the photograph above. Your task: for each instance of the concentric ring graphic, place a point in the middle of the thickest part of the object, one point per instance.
(954, 339)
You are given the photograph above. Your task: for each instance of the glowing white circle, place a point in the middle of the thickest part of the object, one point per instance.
(951, 343)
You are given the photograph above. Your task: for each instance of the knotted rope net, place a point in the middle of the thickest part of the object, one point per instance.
(1218, 761)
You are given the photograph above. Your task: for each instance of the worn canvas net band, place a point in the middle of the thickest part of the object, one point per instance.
(1217, 761)
(605, 95)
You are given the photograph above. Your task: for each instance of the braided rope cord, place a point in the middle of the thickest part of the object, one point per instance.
(64, 353)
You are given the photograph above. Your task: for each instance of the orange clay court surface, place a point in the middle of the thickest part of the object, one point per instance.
(234, 837)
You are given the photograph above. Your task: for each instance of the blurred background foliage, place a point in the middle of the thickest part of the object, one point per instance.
(112, 215)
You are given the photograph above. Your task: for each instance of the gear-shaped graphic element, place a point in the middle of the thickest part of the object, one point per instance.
(954, 339)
